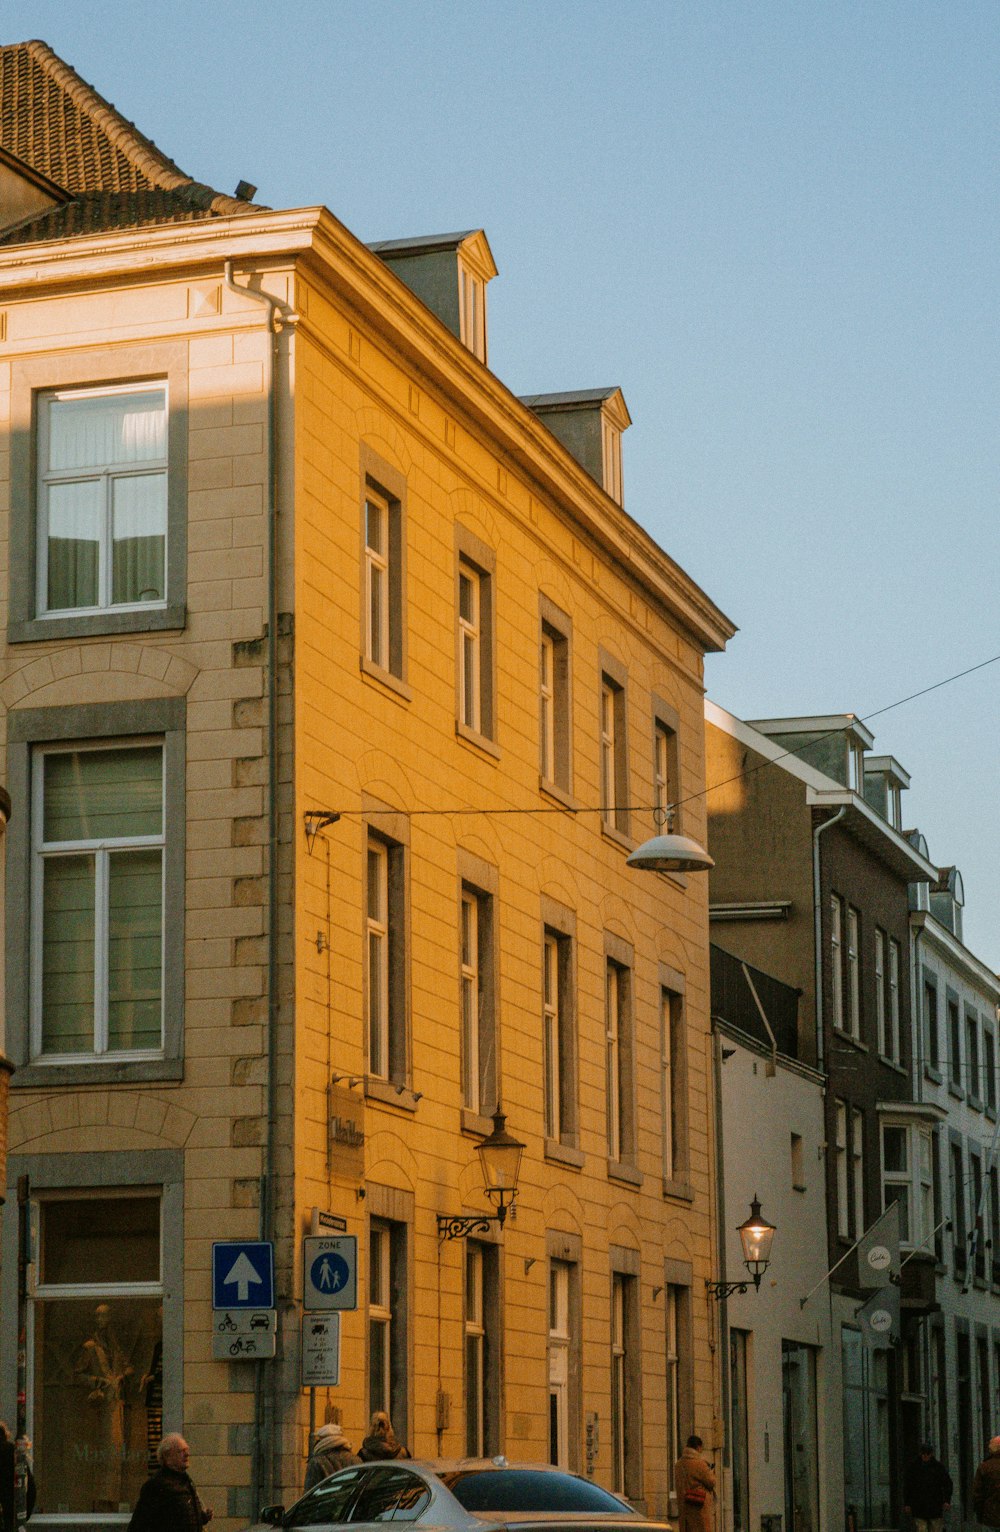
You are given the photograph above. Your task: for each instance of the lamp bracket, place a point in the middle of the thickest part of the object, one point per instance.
(459, 1226)
(722, 1290)
(316, 820)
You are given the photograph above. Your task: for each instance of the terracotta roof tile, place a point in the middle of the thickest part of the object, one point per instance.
(113, 176)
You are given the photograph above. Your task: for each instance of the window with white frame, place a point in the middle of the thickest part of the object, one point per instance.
(380, 1318)
(842, 1178)
(475, 1349)
(96, 1351)
(377, 920)
(880, 1027)
(897, 1184)
(557, 1041)
(470, 639)
(664, 770)
(611, 450)
(102, 491)
(385, 983)
(626, 1426)
(547, 703)
(377, 601)
(478, 1018)
(855, 767)
(618, 1063)
(559, 1351)
(554, 723)
(97, 900)
(836, 961)
(614, 772)
(472, 311)
(853, 973)
(471, 995)
(893, 1039)
(858, 1169)
(388, 1369)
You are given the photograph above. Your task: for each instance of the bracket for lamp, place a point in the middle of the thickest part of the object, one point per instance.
(722, 1290)
(460, 1226)
(316, 820)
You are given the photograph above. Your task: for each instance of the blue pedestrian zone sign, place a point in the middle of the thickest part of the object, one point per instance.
(243, 1275)
(330, 1272)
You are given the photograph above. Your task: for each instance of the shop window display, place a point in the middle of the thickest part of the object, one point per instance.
(97, 1322)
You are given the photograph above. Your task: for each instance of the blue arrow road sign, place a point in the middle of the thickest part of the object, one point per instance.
(243, 1275)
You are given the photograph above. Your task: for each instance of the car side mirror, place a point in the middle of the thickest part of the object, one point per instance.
(272, 1515)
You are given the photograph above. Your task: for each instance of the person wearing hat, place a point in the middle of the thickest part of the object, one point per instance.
(986, 1487)
(331, 1451)
(927, 1490)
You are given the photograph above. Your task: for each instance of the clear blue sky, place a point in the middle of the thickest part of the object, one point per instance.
(776, 226)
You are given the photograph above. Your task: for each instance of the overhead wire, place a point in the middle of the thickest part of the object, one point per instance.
(748, 771)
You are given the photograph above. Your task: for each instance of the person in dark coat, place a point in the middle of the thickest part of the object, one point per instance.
(927, 1490)
(381, 1440)
(168, 1502)
(331, 1451)
(8, 1459)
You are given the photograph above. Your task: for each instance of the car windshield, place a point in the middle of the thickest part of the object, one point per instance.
(527, 1489)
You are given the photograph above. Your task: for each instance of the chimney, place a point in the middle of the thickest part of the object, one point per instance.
(589, 423)
(449, 273)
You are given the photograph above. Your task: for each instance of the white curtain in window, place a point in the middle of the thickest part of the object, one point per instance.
(138, 530)
(75, 513)
(105, 431)
(68, 955)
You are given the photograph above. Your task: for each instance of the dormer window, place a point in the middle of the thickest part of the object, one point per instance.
(472, 311)
(589, 422)
(449, 273)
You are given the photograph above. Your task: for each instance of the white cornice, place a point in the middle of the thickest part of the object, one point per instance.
(956, 952)
(823, 792)
(368, 286)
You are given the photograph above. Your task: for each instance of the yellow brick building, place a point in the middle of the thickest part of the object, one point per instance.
(337, 686)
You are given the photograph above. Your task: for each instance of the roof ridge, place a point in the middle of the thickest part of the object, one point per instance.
(160, 170)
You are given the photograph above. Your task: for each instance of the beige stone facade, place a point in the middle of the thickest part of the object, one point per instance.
(263, 1102)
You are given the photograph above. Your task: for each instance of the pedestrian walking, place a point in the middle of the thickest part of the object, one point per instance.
(168, 1502)
(331, 1451)
(381, 1441)
(927, 1490)
(694, 1485)
(8, 1460)
(986, 1487)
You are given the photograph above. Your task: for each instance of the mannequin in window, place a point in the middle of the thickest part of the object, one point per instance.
(102, 1366)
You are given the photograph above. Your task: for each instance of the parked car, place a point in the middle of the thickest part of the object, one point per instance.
(474, 1495)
